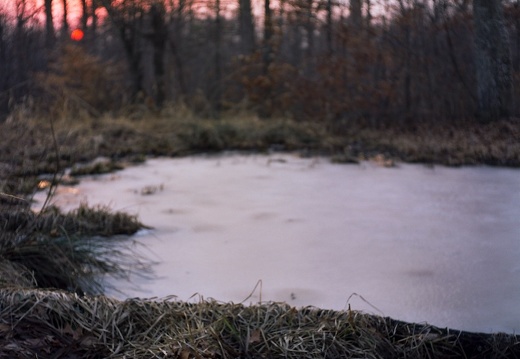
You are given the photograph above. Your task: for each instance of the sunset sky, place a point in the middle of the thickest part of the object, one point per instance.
(36, 7)
(74, 7)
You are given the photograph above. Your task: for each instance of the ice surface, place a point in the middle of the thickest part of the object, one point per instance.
(437, 245)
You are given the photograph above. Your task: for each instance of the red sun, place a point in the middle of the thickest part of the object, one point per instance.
(77, 35)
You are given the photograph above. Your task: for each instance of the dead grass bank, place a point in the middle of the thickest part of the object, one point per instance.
(28, 148)
(45, 324)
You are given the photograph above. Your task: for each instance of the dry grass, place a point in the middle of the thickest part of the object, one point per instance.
(45, 324)
(84, 220)
(457, 144)
(67, 251)
(28, 148)
(13, 274)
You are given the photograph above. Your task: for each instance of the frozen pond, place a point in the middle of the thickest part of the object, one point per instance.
(437, 245)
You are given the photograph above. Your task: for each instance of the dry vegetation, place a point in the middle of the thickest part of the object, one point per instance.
(67, 251)
(45, 324)
(28, 148)
(71, 251)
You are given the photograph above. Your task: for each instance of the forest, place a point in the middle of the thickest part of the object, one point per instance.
(330, 62)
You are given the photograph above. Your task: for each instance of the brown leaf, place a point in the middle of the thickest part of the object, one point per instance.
(255, 336)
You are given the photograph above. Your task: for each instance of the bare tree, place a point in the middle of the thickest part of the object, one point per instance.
(246, 26)
(218, 67)
(93, 30)
(158, 37)
(309, 27)
(368, 18)
(49, 24)
(175, 41)
(268, 34)
(356, 16)
(64, 22)
(127, 19)
(4, 68)
(492, 60)
(17, 40)
(329, 27)
(84, 14)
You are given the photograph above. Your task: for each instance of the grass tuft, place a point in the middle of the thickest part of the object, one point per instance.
(68, 251)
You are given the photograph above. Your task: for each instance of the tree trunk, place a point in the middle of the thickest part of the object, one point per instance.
(309, 29)
(49, 25)
(265, 110)
(93, 29)
(268, 34)
(329, 27)
(356, 17)
(129, 26)
(158, 38)
(246, 26)
(84, 14)
(176, 45)
(65, 22)
(368, 18)
(218, 67)
(492, 61)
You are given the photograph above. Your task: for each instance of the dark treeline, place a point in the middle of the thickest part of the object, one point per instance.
(319, 60)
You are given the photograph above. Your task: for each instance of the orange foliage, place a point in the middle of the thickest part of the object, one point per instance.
(81, 81)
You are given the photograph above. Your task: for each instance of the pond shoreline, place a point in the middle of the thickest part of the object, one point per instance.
(27, 152)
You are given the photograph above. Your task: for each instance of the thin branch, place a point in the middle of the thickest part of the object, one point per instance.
(54, 182)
